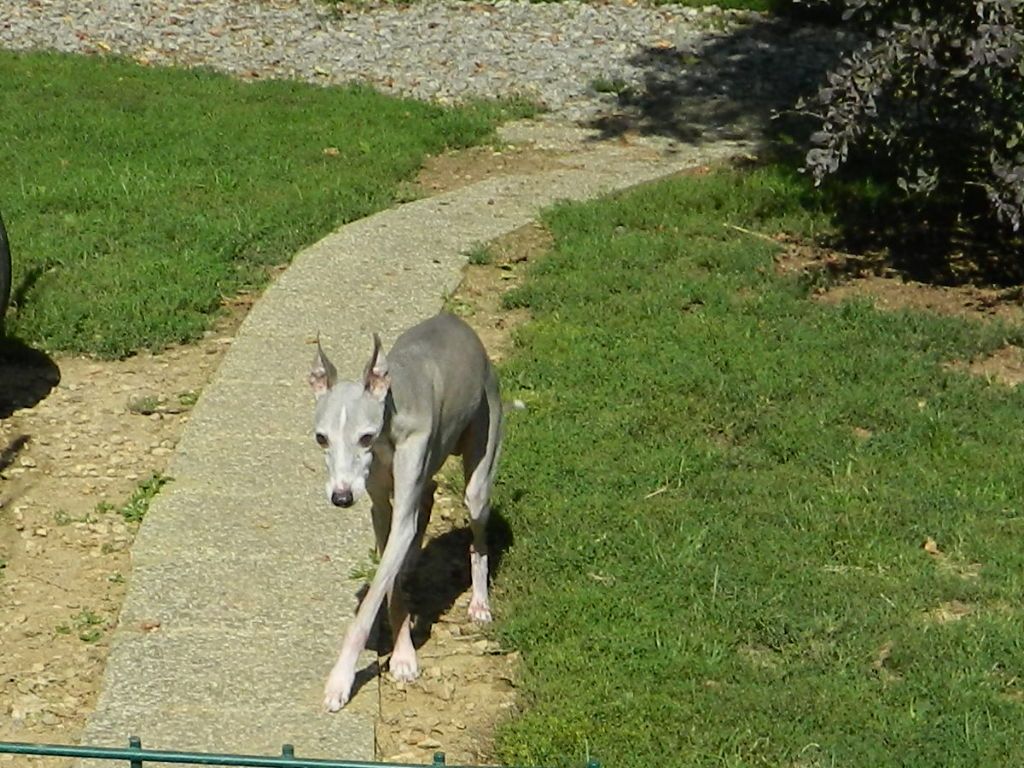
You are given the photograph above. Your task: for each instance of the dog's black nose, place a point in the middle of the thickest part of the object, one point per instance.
(342, 498)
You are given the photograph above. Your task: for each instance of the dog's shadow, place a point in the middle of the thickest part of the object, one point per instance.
(27, 376)
(441, 576)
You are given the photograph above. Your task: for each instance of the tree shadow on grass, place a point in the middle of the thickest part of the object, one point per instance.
(729, 87)
(938, 241)
(744, 84)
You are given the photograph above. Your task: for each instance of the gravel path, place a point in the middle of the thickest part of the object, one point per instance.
(583, 62)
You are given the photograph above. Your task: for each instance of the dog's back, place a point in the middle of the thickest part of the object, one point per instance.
(440, 366)
(447, 342)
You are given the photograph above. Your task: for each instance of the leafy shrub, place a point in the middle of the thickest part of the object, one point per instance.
(936, 97)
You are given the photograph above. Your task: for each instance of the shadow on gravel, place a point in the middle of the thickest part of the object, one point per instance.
(442, 574)
(728, 87)
(26, 376)
(10, 451)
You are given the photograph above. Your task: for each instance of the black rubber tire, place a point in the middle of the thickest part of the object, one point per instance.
(5, 273)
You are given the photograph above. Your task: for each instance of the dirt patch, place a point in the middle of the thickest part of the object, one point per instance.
(468, 683)
(1005, 366)
(951, 611)
(893, 293)
(881, 665)
(77, 439)
(951, 563)
(842, 276)
(760, 656)
(454, 170)
(479, 298)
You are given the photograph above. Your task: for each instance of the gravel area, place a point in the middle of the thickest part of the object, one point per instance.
(583, 62)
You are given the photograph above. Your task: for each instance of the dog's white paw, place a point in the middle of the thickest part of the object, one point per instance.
(334, 702)
(338, 688)
(479, 611)
(404, 667)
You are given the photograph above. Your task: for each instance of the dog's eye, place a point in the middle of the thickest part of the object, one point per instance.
(367, 440)
(321, 439)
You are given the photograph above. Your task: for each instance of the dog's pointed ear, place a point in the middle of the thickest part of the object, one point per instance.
(324, 374)
(376, 378)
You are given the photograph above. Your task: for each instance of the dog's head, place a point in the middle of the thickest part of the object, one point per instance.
(349, 419)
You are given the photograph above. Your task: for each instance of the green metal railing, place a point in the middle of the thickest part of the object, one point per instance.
(136, 756)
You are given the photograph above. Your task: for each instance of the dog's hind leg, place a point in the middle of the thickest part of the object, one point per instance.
(379, 487)
(481, 450)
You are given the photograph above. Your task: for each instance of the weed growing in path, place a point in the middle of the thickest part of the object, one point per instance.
(134, 510)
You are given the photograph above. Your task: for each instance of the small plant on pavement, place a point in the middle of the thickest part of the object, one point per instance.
(136, 507)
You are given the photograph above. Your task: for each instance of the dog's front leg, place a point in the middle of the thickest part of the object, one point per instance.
(342, 677)
(409, 462)
(403, 663)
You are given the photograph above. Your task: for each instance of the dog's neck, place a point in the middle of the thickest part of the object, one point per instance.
(384, 445)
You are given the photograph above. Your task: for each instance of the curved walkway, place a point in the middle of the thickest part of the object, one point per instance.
(241, 587)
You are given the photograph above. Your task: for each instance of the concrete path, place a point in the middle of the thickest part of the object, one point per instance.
(240, 589)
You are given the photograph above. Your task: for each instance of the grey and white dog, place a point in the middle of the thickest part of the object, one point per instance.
(435, 394)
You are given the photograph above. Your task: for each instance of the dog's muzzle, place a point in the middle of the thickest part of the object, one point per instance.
(342, 498)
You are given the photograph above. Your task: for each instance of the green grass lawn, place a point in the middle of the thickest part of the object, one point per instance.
(136, 198)
(720, 497)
